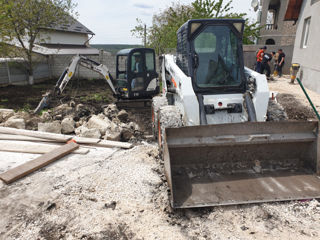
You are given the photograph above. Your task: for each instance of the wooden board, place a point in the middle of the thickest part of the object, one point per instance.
(33, 165)
(108, 143)
(35, 148)
(83, 140)
(23, 138)
(37, 134)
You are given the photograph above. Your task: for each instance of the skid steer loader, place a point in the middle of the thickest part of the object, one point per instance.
(211, 126)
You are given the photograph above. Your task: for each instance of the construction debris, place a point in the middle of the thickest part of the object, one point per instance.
(31, 166)
(27, 135)
(35, 148)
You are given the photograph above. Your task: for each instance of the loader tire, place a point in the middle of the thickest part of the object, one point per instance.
(168, 117)
(276, 112)
(157, 103)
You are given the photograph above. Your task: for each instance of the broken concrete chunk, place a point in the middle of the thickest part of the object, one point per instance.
(46, 116)
(126, 134)
(134, 126)
(111, 111)
(52, 127)
(62, 110)
(90, 133)
(5, 114)
(123, 115)
(15, 123)
(67, 126)
(97, 122)
(113, 136)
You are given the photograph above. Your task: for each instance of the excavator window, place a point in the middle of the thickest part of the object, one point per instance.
(137, 65)
(122, 67)
(150, 61)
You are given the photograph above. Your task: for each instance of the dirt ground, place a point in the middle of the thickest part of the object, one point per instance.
(90, 92)
(122, 194)
(293, 100)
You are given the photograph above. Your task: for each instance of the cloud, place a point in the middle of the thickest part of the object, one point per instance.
(142, 5)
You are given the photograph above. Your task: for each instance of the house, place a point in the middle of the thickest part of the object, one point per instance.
(55, 47)
(306, 52)
(276, 30)
(69, 38)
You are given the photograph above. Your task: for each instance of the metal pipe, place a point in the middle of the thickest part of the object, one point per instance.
(303, 89)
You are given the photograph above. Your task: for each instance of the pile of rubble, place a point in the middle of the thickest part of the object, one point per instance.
(110, 123)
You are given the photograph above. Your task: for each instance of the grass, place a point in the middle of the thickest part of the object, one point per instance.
(4, 100)
(26, 108)
(97, 97)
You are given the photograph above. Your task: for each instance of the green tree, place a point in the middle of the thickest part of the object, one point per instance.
(162, 34)
(23, 21)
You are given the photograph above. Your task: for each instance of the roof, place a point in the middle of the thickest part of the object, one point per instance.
(72, 25)
(293, 10)
(128, 50)
(124, 51)
(65, 50)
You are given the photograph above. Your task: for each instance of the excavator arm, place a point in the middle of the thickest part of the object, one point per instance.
(68, 74)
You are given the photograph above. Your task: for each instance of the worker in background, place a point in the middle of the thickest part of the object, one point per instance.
(260, 58)
(281, 62)
(137, 68)
(137, 64)
(275, 64)
(265, 64)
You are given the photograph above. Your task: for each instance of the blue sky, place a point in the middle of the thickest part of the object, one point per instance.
(112, 20)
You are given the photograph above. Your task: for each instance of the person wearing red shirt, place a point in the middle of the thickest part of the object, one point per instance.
(260, 58)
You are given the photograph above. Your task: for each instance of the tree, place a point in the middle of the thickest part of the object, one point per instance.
(22, 21)
(162, 34)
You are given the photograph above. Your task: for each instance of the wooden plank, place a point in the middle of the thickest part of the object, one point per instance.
(82, 140)
(23, 138)
(108, 143)
(37, 134)
(35, 148)
(33, 165)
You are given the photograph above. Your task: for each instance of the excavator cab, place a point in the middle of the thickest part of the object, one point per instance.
(136, 75)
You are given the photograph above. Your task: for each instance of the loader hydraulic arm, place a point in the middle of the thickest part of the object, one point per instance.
(68, 74)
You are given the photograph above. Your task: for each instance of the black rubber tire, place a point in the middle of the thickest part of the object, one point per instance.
(168, 117)
(157, 103)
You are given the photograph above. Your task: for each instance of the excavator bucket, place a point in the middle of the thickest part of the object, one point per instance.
(242, 163)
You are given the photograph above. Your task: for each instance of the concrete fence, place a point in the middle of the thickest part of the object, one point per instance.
(13, 72)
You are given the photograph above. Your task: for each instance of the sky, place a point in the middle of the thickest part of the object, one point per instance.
(112, 20)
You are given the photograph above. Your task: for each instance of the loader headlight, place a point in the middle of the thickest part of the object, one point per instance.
(238, 26)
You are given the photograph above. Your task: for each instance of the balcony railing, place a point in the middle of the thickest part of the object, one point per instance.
(271, 27)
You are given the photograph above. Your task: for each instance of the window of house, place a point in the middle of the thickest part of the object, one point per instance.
(305, 33)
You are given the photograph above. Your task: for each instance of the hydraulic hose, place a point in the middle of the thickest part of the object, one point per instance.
(252, 117)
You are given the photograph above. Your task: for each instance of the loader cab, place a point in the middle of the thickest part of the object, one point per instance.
(210, 52)
(136, 73)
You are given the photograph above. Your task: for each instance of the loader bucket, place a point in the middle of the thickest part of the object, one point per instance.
(242, 163)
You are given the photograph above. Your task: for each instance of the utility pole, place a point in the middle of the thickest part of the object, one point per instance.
(145, 35)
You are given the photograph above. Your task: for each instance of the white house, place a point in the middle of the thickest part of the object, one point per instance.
(55, 46)
(306, 47)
